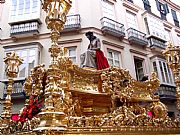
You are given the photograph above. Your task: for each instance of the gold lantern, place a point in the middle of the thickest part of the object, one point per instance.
(12, 62)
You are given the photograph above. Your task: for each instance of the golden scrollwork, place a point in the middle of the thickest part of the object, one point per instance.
(12, 62)
(172, 55)
(86, 101)
(57, 11)
(37, 77)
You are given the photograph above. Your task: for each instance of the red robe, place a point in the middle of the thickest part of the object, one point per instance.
(101, 60)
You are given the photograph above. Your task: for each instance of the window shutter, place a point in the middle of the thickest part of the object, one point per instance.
(166, 8)
(146, 2)
(158, 5)
(174, 14)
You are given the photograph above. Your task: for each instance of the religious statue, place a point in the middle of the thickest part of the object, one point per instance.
(94, 57)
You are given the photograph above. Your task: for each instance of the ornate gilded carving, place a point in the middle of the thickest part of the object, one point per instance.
(172, 54)
(12, 62)
(85, 101)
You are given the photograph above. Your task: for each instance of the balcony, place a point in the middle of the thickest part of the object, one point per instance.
(18, 92)
(154, 26)
(137, 37)
(167, 93)
(157, 43)
(112, 28)
(25, 29)
(73, 23)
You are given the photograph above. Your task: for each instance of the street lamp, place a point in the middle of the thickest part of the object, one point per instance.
(172, 54)
(12, 62)
(56, 15)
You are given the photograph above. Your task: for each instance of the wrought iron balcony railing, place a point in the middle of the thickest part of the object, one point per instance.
(24, 29)
(112, 27)
(73, 22)
(137, 37)
(18, 91)
(157, 43)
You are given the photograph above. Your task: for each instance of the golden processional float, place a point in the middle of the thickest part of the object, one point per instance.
(66, 99)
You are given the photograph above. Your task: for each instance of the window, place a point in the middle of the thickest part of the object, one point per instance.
(27, 7)
(73, 49)
(174, 15)
(72, 54)
(155, 68)
(139, 68)
(147, 5)
(131, 20)
(24, 10)
(108, 9)
(155, 27)
(114, 58)
(163, 9)
(13, 7)
(30, 56)
(164, 73)
(34, 6)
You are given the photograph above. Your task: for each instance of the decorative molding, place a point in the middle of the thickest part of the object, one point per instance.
(130, 6)
(172, 5)
(112, 1)
(158, 56)
(167, 25)
(138, 52)
(70, 41)
(178, 31)
(24, 45)
(15, 80)
(112, 44)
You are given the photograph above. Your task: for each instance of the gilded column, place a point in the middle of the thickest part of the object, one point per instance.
(172, 54)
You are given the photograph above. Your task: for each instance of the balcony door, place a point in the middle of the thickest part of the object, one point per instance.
(139, 67)
(114, 58)
(131, 20)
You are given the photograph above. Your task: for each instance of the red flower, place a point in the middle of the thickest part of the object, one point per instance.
(15, 117)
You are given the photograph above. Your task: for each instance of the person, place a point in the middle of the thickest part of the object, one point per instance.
(94, 57)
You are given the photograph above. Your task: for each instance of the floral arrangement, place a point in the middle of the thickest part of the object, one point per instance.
(32, 107)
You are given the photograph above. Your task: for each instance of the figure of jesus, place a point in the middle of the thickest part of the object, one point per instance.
(94, 57)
